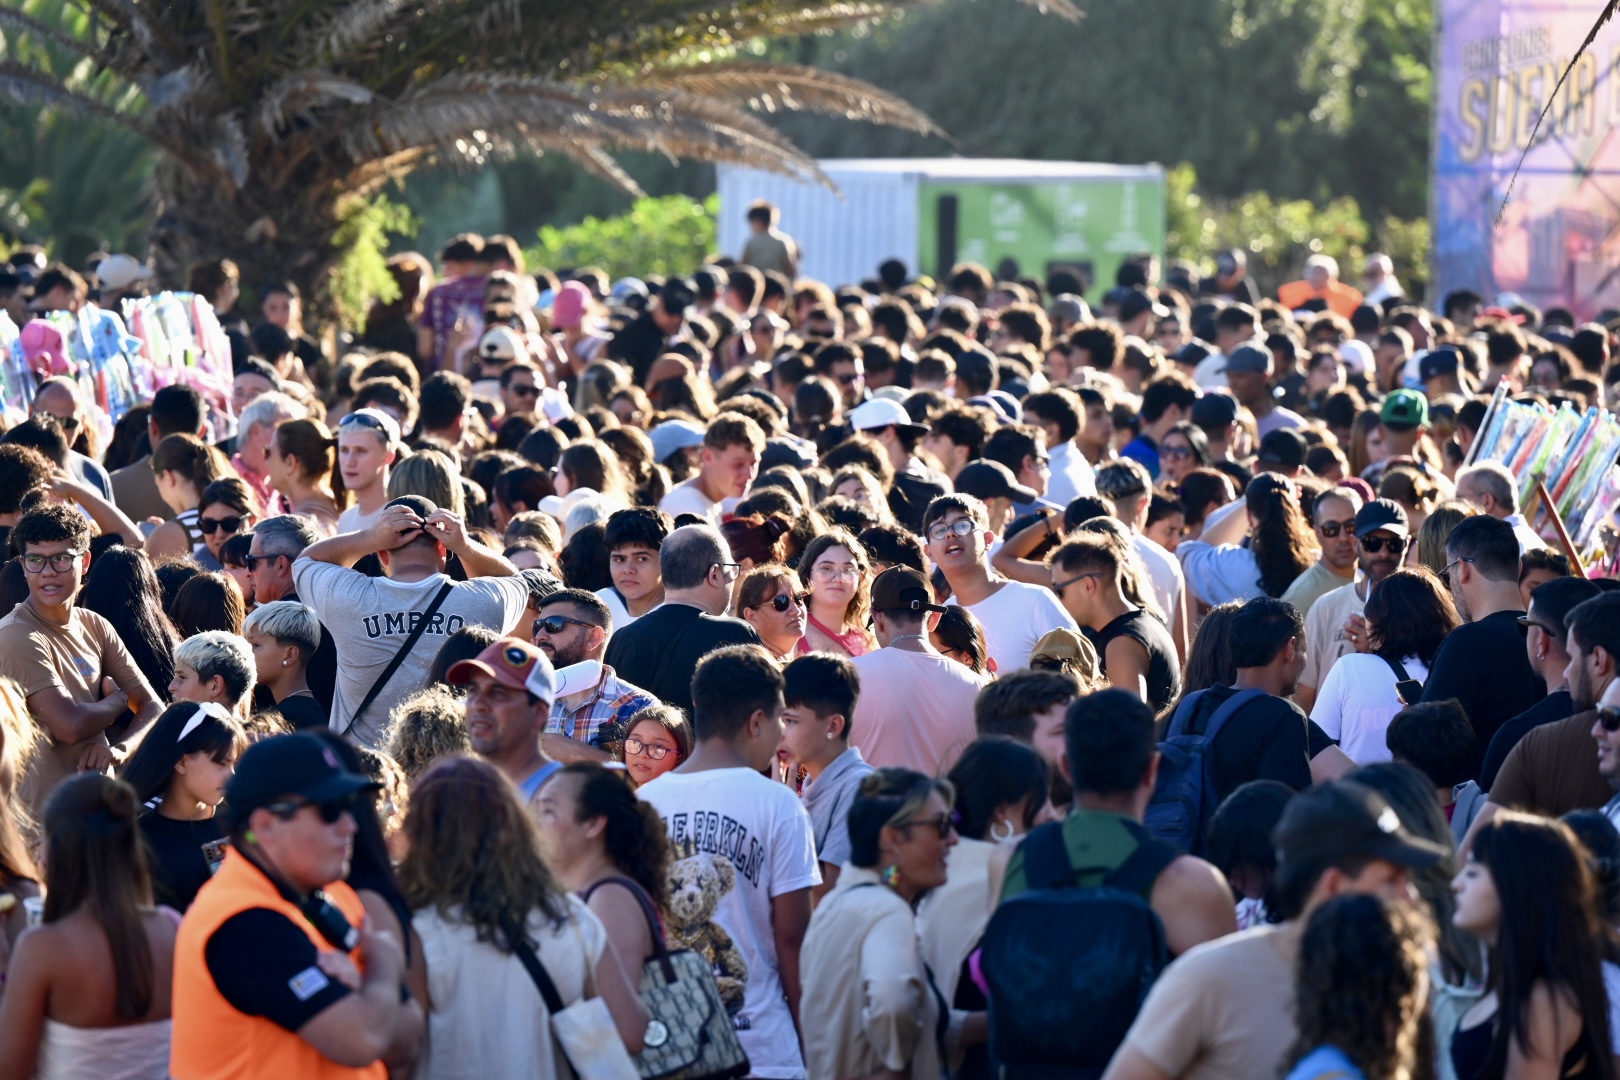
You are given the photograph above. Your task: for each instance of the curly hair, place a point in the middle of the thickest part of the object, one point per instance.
(634, 837)
(474, 846)
(1361, 983)
(1283, 544)
(426, 727)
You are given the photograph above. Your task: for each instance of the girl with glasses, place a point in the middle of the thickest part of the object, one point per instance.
(771, 599)
(657, 739)
(840, 601)
(1184, 448)
(185, 467)
(227, 509)
(864, 978)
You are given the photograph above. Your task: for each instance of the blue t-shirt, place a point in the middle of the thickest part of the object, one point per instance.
(531, 786)
(1326, 1063)
(1146, 451)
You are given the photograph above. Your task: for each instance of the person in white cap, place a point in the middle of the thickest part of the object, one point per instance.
(121, 277)
(500, 347)
(915, 484)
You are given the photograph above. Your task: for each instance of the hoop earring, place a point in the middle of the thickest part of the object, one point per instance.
(996, 834)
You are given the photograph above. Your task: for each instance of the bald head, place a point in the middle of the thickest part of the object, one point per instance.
(690, 553)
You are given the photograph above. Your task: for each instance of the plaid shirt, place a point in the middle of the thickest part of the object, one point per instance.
(605, 717)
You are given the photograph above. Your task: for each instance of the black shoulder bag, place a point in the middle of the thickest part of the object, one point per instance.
(1408, 689)
(399, 657)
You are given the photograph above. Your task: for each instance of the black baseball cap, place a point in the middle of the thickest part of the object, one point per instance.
(1344, 819)
(677, 295)
(992, 480)
(1283, 446)
(1381, 515)
(1215, 410)
(901, 588)
(1438, 362)
(299, 766)
(1191, 354)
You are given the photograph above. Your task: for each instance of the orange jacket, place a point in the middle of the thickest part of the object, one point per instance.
(1341, 298)
(211, 1039)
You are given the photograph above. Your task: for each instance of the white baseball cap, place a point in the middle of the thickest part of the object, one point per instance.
(121, 271)
(501, 343)
(882, 413)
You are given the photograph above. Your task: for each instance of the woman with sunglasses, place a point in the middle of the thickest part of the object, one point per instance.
(88, 991)
(771, 599)
(179, 773)
(657, 739)
(864, 979)
(1184, 448)
(227, 508)
(840, 599)
(184, 467)
(367, 447)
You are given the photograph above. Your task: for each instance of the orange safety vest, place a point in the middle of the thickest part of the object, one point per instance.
(211, 1039)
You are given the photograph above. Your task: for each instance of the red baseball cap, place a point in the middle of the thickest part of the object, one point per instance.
(511, 662)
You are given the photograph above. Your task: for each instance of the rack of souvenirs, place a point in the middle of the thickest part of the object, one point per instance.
(120, 358)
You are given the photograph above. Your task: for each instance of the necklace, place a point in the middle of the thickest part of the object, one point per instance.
(907, 637)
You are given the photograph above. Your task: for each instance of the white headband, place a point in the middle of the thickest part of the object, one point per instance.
(207, 709)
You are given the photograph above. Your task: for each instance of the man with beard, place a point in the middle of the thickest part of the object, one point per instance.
(1334, 626)
(1483, 663)
(573, 627)
(1555, 768)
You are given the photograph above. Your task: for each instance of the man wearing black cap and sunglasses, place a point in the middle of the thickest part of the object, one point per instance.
(1226, 1010)
(274, 973)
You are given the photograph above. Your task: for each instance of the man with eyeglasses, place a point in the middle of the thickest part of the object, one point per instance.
(659, 651)
(511, 686)
(1334, 520)
(1134, 649)
(574, 626)
(1483, 663)
(76, 675)
(915, 710)
(520, 388)
(276, 972)
(59, 397)
(845, 366)
(1014, 614)
(1334, 625)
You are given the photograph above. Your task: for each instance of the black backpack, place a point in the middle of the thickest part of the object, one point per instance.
(1067, 967)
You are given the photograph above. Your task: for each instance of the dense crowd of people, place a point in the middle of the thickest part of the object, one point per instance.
(736, 675)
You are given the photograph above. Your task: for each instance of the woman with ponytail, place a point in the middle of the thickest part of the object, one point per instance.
(87, 993)
(302, 469)
(610, 848)
(179, 773)
(1221, 566)
(184, 466)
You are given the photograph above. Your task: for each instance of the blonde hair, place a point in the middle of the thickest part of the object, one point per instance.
(433, 476)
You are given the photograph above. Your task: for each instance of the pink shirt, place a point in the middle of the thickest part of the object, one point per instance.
(915, 710)
(853, 642)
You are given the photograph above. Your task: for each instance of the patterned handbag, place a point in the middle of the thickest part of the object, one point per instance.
(689, 1034)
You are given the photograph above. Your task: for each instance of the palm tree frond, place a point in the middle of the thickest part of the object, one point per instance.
(353, 27)
(771, 87)
(303, 93)
(27, 25)
(230, 150)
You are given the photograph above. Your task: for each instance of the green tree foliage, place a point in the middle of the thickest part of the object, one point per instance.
(670, 235)
(1302, 100)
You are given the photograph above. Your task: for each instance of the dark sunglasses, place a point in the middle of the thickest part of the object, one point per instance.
(330, 810)
(209, 526)
(1059, 586)
(364, 420)
(71, 424)
(1331, 529)
(1609, 717)
(941, 824)
(556, 624)
(524, 390)
(1374, 544)
(783, 601)
(848, 379)
(249, 560)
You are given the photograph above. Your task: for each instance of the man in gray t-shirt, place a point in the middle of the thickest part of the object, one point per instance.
(371, 618)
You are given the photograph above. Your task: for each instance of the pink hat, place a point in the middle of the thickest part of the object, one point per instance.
(44, 349)
(568, 310)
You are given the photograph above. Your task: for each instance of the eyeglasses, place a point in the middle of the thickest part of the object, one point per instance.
(1176, 453)
(1372, 545)
(1059, 586)
(249, 560)
(524, 390)
(850, 378)
(209, 526)
(941, 824)
(1526, 622)
(963, 527)
(783, 601)
(330, 810)
(1331, 529)
(829, 572)
(363, 420)
(646, 749)
(728, 570)
(556, 624)
(69, 423)
(62, 563)
(1609, 717)
(1445, 575)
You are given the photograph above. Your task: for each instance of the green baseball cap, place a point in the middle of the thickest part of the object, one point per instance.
(1405, 408)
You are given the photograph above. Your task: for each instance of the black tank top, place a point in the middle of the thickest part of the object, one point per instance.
(1164, 670)
(1471, 1049)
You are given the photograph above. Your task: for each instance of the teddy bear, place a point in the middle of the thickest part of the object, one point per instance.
(697, 881)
